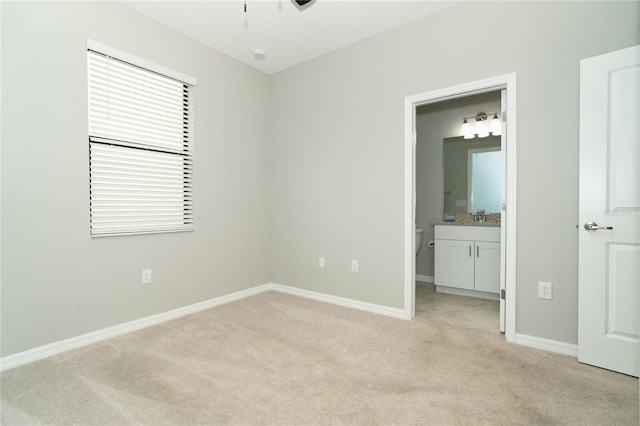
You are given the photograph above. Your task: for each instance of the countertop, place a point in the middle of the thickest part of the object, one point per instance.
(466, 219)
(457, 223)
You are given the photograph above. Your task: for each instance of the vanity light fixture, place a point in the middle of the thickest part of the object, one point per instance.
(466, 130)
(481, 129)
(496, 127)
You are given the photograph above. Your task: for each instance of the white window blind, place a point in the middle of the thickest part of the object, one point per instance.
(140, 149)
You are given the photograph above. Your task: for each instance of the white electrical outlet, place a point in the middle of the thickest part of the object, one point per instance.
(146, 276)
(545, 290)
(354, 266)
(321, 262)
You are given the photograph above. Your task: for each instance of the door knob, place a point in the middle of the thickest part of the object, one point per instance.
(592, 226)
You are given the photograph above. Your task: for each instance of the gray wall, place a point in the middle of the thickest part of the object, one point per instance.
(58, 282)
(434, 122)
(338, 140)
(317, 172)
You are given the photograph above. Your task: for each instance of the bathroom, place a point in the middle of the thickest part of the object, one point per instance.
(441, 190)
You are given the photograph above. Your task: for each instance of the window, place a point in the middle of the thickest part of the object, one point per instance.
(140, 145)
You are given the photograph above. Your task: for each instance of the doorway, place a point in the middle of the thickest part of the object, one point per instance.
(505, 84)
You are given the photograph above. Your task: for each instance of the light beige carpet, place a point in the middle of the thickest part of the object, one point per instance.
(279, 359)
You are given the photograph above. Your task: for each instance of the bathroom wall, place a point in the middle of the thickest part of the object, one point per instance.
(434, 122)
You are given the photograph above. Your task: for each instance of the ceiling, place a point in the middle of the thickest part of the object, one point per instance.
(287, 33)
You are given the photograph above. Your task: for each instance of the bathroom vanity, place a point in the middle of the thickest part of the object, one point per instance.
(467, 260)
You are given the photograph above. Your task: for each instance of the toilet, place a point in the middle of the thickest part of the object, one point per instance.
(419, 234)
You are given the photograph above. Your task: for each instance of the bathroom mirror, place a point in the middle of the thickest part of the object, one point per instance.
(472, 174)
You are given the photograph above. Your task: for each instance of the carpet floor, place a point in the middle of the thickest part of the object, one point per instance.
(279, 359)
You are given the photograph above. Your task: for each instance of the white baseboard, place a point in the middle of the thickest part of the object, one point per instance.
(55, 348)
(342, 301)
(547, 345)
(61, 346)
(424, 278)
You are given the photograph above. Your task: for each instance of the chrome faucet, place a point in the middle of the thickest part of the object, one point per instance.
(480, 216)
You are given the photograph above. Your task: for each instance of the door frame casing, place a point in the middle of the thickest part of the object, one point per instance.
(508, 267)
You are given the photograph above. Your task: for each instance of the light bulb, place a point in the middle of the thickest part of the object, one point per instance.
(481, 128)
(496, 127)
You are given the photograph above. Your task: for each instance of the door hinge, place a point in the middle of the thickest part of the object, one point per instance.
(504, 116)
(504, 205)
(503, 294)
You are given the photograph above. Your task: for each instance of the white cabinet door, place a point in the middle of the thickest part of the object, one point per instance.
(487, 266)
(454, 263)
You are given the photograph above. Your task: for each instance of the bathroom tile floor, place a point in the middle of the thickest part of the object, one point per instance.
(462, 311)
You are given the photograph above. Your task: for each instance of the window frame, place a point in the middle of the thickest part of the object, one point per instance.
(140, 181)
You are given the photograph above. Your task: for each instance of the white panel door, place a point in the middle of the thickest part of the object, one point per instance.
(608, 302)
